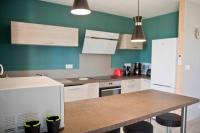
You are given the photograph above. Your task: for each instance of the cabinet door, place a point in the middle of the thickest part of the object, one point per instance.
(93, 90)
(145, 84)
(81, 92)
(130, 85)
(46, 35)
(74, 93)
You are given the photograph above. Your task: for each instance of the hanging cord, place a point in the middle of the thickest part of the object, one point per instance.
(138, 7)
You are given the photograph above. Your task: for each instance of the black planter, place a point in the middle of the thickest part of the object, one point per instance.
(32, 127)
(53, 124)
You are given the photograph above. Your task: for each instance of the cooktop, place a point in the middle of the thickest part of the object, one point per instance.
(106, 77)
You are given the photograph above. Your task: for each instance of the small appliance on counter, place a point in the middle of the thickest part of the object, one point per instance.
(118, 72)
(148, 73)
(137, 68)
(127, 69)
(146, 67)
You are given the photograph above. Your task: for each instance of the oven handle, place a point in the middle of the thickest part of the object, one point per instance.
(110, 89)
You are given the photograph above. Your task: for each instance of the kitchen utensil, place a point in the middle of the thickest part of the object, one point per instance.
(1, 72)
(118, 72)
(127, 69)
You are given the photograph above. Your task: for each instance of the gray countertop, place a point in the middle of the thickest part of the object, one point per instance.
(76, 81)
(102, 114)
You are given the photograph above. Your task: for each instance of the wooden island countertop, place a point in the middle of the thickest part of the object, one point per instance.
(107, 113)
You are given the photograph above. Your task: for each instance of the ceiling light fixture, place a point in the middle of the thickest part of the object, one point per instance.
(138, 34)
(80, 7)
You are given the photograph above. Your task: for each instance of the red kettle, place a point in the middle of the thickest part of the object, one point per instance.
(118, 72)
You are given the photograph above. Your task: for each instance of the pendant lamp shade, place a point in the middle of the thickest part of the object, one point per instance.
(80, 7)
(138, 34)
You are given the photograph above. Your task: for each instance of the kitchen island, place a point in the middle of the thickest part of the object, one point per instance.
(107, 113)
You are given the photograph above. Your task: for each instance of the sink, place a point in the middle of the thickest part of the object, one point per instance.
(83, 79)
(65, 81)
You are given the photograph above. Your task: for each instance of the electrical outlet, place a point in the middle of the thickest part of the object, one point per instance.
(127, 64)
(69, 66)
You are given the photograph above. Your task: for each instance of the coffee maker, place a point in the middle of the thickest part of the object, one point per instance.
(127, 69)
(137, 69)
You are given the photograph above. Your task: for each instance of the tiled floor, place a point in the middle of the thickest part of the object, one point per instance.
(192, 127)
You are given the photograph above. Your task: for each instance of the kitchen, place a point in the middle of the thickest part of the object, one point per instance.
(77, 64)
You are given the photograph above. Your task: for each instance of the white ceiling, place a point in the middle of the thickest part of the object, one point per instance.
(128, 8)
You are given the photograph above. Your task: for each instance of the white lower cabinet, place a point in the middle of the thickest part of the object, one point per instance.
(91, 90)
(133, 85)
(145, 84)
(81, 92)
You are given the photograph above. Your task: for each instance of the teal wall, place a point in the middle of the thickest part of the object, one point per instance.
(165, 26)
(15, 57)
(39, 57)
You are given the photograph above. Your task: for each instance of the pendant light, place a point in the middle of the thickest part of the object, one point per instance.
(80, 7)
(138, 34)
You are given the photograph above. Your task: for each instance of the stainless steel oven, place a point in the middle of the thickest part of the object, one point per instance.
(109, 88)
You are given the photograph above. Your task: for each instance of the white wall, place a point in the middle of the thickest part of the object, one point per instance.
(191, 82)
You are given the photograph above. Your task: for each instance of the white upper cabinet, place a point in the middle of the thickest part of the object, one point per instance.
(46, 35)
(125, 43)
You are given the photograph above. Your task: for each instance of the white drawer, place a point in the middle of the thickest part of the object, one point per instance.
(74, 93)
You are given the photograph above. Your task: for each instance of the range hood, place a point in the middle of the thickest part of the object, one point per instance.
(98, 42)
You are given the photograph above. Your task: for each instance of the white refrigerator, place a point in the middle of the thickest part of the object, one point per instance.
(163, 68)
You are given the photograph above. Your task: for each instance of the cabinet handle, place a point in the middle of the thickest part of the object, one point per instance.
(74, 89)
(49, 43)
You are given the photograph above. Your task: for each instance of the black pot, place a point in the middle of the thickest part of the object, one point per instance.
(53, 124)
(32, 127)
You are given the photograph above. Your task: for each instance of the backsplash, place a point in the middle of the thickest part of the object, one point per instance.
(90, 65)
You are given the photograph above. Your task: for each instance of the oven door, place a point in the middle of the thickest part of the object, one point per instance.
(108, 91)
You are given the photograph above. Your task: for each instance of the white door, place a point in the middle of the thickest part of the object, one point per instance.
(164, 62)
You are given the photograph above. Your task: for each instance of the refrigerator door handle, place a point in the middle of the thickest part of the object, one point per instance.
(163, 85)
